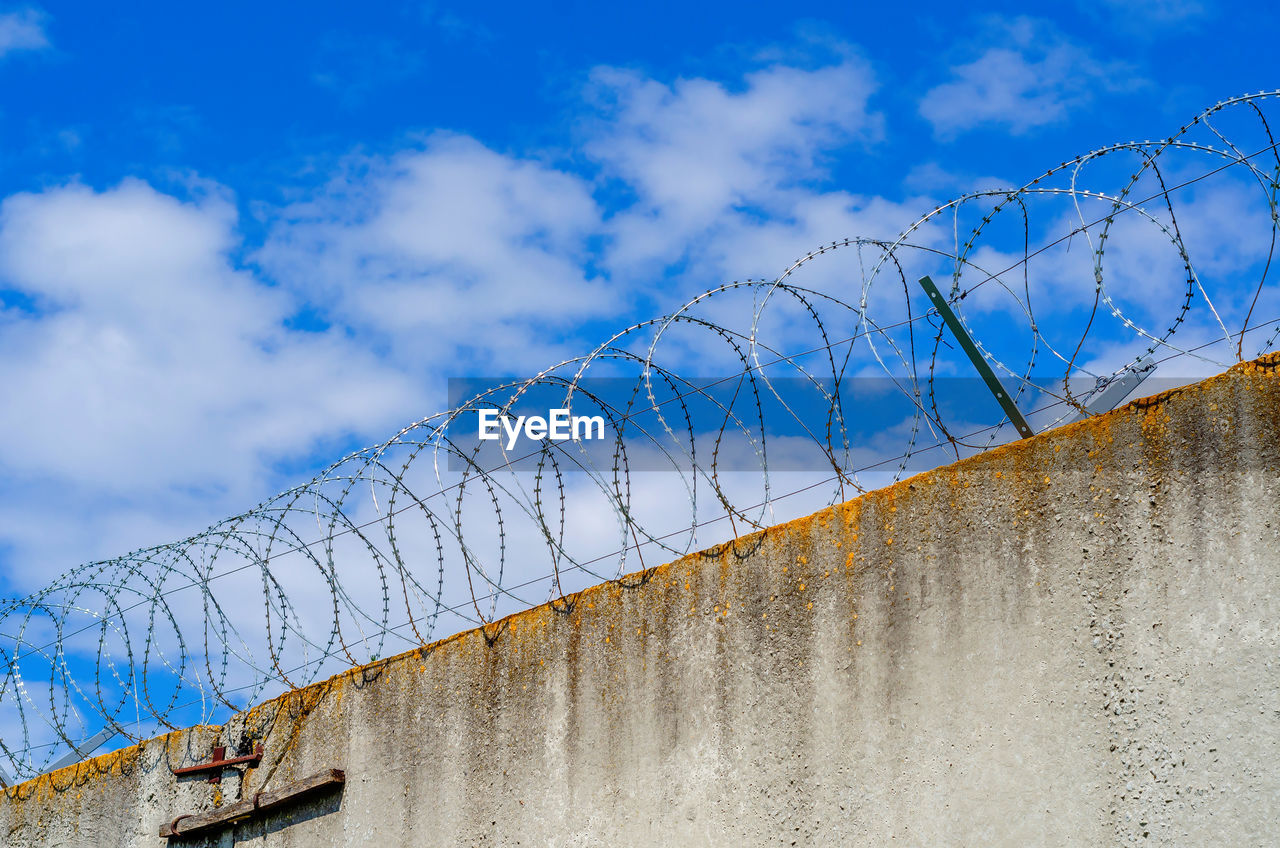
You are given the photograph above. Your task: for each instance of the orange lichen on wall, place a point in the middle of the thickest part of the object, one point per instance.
(118, 763)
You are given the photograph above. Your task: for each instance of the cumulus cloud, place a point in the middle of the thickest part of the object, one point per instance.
(447, 248)
(1031, 76)
(22, 30)
(696, 153)
(144, 365)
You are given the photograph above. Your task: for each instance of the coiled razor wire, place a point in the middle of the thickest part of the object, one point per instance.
(1066, 285)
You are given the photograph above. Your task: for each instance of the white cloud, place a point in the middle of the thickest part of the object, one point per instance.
(151, 368)
(1029, 75)
(448, 247)
(697, 154)
(22, 30)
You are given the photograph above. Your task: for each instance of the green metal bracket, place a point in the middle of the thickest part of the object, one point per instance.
(975, 356)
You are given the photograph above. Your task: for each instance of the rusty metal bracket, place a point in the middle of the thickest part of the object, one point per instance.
(189, 824)
(219, 762)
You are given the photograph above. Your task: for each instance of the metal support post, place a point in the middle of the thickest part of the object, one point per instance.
(975, 356)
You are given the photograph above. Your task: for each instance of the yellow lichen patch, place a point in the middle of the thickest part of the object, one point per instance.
(119, 763)
(1264, 366)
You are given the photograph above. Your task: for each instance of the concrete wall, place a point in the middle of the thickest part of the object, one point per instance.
(1069, 641)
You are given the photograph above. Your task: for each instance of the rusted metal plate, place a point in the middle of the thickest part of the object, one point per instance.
(193, 823)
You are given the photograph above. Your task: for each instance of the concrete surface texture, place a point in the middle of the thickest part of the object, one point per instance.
(1068, 641)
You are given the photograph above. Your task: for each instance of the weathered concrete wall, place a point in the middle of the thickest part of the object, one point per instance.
(1069, 641)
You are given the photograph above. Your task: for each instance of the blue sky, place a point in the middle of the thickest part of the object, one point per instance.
(237, 241)
(263, 99)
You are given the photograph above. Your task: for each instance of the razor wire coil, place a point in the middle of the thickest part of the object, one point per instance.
(403, 542)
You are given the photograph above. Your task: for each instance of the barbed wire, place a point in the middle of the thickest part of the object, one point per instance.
(827, 380)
